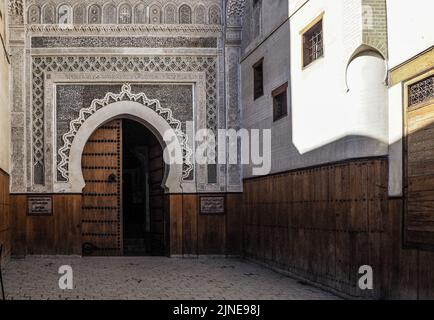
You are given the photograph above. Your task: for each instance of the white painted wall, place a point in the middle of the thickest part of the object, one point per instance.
(325, 115)
(410, 32)
(326, 122)
(410, 29)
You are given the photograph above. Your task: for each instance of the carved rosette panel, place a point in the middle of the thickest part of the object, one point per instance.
(34, 14)
(155, 14)
(94, 15)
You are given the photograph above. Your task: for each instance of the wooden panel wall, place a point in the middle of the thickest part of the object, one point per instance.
(56, 234)
(409, 271)
(5, 215)
(419, 172)
(191, 233)
(321, 224)
(194, 234)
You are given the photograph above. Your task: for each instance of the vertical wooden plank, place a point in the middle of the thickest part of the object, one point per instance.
(234, 220)
(426, 275)
(332, 226)
(390, 246)
(19, 225)
(212, 234)
(408, 274)
(5, 216)
(67, 228)
(190, 213)
(175, 210)
(40, 235)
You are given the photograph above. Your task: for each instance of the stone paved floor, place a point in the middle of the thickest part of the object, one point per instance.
(152, 278)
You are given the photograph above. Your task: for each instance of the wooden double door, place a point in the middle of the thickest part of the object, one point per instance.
(103, 209)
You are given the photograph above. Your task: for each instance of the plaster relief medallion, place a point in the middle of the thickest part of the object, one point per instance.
(94, 14)
(155, 14)
(34, 15)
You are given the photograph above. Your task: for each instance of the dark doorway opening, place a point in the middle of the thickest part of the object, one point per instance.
(142, 192)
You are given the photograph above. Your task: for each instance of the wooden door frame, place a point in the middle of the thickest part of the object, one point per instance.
(405, 96)
(121, 178)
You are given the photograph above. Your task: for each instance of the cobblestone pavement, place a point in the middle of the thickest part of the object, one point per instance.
(152, 278)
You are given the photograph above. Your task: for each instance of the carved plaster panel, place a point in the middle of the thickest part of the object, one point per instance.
(118, 11)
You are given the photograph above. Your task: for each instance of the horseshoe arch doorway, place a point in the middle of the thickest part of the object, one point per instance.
(124, 211)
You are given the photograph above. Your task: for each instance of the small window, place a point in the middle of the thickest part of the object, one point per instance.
(421, 92)
(280, 102)
(258, 79)
(313, 44)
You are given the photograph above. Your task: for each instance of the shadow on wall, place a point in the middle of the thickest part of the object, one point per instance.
(331, 212)
(353, 125)
(324, 222)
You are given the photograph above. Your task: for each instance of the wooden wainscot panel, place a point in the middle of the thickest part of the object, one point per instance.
(234, 232)
(320, 223)
(46, 224)
(19, 225)
(190, 210)
(175, 211)
(5, 215)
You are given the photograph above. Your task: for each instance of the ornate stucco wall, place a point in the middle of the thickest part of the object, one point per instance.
(163, 47)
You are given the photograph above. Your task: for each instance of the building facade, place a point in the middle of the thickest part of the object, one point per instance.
(345, 189)
(345, 88)
(78, 65)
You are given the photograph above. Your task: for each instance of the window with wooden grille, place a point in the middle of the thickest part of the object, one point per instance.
(280, 102)
(258, 79)
(313, 44)
(421, 92)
